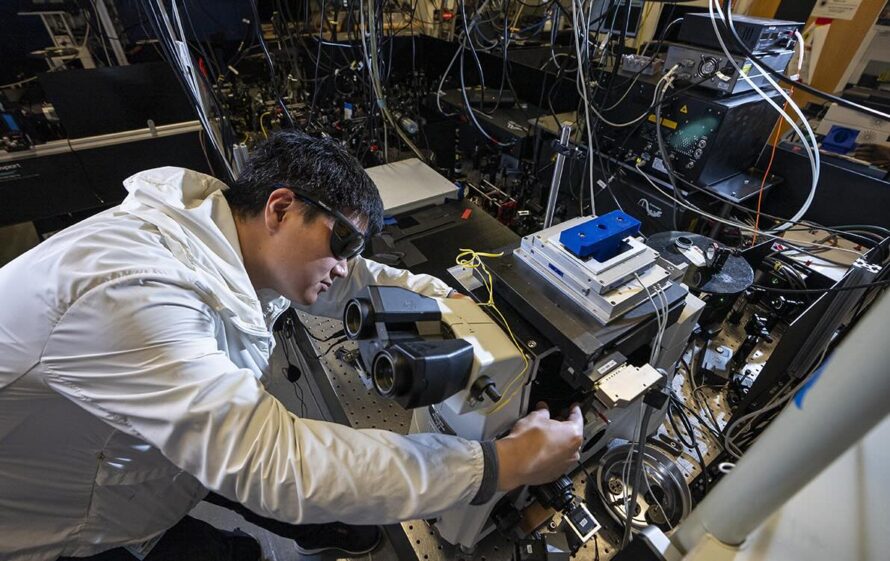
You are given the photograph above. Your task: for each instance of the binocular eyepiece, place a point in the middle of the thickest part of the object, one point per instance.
(411, 369)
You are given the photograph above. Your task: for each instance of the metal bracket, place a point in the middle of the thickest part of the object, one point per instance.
(863, 264)
(568, 151)
(620, 387)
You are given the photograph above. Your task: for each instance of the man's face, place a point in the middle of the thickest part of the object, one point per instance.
(299, 260)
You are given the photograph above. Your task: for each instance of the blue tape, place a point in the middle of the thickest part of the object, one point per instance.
(802, 392)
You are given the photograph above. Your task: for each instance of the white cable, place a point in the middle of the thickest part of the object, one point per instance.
(362, 32)
(653, 352)
(627, 91)
(814, 163)
(813, 155)
(661, 318)
(628, 460)
(812, 152)
(662, 292)
(439, 91)
(581, 81)
(462, 44)
(86, 37)
(661, 309)
(662, 297)
(553, 57)
(665, 82)
(646, 477)
(181, 57)
(609, 32)
(739, 225)
(711, 5)
(377, 83)
(464, 38)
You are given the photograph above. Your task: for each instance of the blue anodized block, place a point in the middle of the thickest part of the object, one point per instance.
(600, 238)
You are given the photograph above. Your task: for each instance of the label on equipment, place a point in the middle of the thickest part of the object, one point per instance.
(606, 367)
(15, 172)
(665, 122)
(582, 523)
(659, 165)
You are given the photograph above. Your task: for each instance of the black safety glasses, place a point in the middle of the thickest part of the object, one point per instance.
(346, 240)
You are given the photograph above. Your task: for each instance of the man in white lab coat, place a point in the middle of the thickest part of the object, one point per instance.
(133, 347)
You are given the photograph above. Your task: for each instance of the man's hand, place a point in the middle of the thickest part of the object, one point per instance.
(876, 154)
(539, 449)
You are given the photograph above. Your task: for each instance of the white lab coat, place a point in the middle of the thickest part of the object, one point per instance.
(132, 347)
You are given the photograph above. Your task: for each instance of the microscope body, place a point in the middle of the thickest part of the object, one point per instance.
(582, 321)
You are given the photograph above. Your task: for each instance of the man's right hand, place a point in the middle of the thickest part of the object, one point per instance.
(876, 154)
(539, 449)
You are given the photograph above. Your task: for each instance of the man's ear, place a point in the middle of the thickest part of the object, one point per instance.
(280, 202)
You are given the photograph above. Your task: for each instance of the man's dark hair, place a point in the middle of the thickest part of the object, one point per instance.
(318, 167)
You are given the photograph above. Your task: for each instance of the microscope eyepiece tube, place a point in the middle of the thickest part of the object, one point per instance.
(390, 374)
(358, 319)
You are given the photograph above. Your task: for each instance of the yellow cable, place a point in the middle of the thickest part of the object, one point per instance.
(471, 259)
(262, 126)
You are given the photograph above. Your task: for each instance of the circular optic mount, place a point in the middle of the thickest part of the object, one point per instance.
(734, 276)
(683, 242)
(391, 374)
(357, 319)
(384, 373)
(664, 499)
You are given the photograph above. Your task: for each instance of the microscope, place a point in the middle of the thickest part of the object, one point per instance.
(573, 315)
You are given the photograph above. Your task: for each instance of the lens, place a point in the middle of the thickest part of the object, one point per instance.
(356, 318)
(346, 243)
(352, 247)
(352, 319)
(342, 230)
(384, 373)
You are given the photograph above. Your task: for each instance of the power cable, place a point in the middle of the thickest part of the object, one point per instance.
(733, 34)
